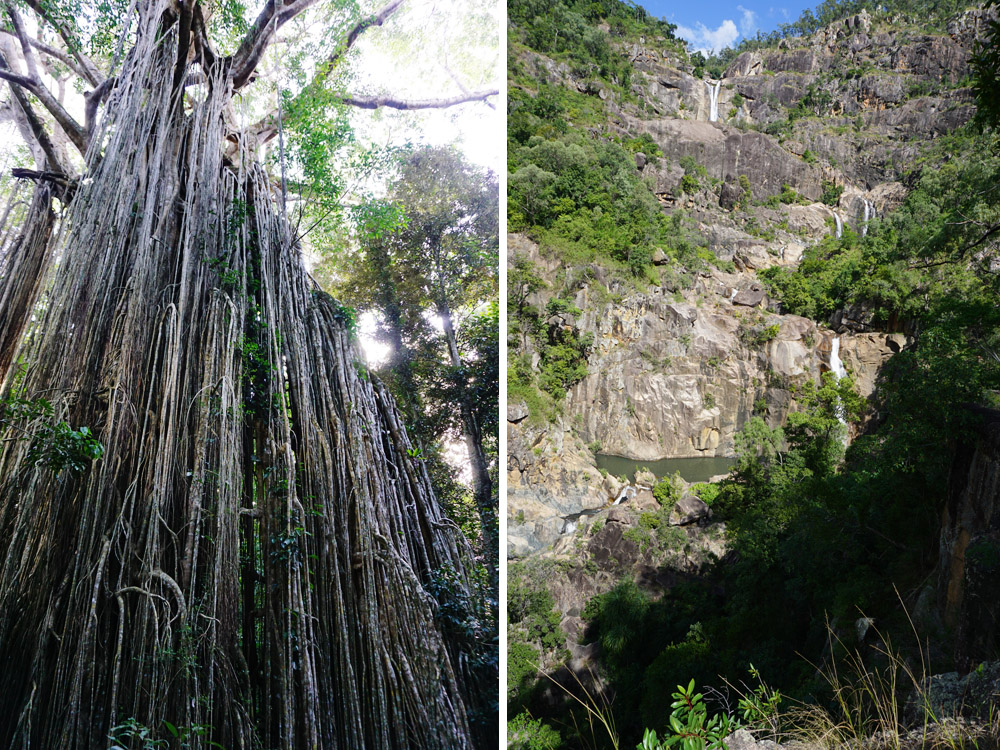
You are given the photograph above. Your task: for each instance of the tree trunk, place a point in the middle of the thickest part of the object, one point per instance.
(24, 261)
(482, 484)
(401, 361)
(250, 560)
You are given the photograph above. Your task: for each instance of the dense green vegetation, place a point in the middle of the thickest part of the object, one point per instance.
(927, 267)
(566, 29)
(583, 197)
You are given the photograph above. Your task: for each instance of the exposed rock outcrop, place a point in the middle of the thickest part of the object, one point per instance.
(670, 375)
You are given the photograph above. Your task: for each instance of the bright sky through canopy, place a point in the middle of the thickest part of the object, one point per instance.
(445, 47)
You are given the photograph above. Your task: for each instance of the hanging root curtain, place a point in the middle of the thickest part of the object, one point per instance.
(247, 564)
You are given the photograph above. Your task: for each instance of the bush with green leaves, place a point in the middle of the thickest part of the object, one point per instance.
(531, 606)
(667, 491)
(645, 144)
(133, 735)
(706, 492)
(689, 184)
(522, 666)
(760, 706)
(691, 728)
(563, 361)
(526, 733)
(831, 193)
(56, 446)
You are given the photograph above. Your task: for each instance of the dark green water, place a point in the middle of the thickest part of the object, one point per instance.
(691, 469)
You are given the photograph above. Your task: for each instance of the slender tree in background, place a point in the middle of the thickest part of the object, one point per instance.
(213, 529)
(441, 264)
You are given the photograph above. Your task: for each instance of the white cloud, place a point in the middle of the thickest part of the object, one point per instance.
(748, 22)
(708, 40)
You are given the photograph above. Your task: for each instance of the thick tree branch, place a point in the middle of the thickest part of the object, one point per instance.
(73, 129)
(33, 120)
(272, 18)
(267, 127)
(94, 99)
(89, 70)
(989, 233)
(27, 83)
(374, 102)
(183, 42)
(362, 26)
(201, 40)
(54, 53)
(22, 37)
(254, 44)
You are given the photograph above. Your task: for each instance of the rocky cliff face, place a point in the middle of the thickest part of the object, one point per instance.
(678, 367)
(672, 374)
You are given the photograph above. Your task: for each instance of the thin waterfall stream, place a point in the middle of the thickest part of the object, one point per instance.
(839, 371)
(869, 215)
(713, 100)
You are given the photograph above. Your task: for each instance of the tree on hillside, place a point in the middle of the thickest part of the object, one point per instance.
(443, 260)
(213, 530)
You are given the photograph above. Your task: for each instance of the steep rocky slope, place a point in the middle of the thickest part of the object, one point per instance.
(813, 136)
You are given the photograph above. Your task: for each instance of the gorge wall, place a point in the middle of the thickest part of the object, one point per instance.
(680, 364)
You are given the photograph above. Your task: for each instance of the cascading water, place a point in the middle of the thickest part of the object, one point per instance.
(627, 493)
(869, 214)
(840, 224)
(713, 100)
(839, 371)
(572, 522)
(836, 365)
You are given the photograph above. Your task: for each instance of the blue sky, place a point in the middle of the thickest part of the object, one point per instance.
(710, 25)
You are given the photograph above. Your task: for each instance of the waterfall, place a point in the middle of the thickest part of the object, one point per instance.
(840, 224)
(627, 493)
(713, 98)
(572, 522)
(836, 366)
(839, 371)
(869, 214)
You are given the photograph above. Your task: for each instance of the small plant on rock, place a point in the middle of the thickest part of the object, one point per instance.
(760, 706)
(690, 726)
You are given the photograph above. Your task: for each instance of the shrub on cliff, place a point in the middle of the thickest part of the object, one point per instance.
(668, 490)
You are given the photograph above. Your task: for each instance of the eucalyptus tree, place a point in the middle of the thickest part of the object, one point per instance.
(213, 528)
